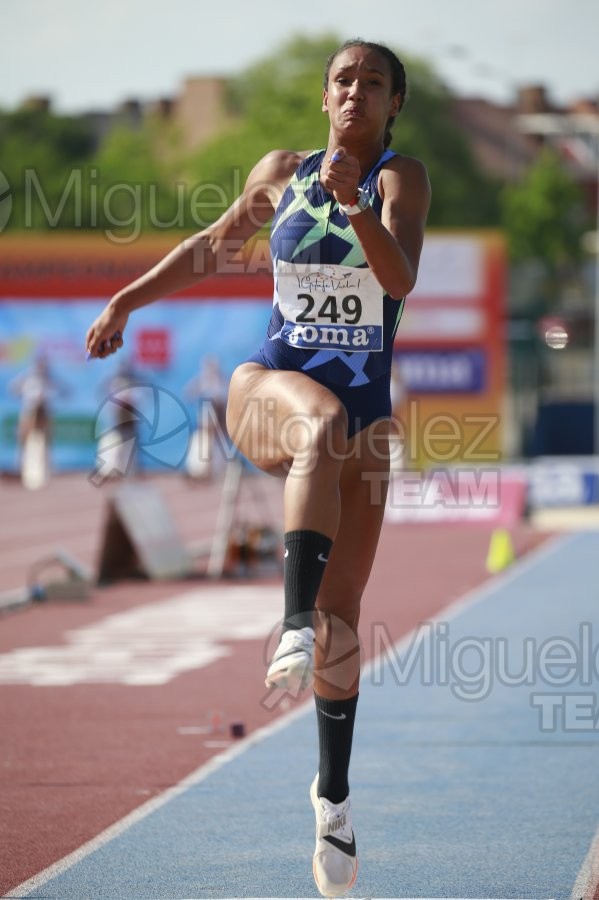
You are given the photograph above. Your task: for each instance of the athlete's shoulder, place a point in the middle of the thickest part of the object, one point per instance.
(281, 164)
(404, 172)
(405, 165)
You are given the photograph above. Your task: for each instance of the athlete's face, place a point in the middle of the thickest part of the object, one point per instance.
(358, 97)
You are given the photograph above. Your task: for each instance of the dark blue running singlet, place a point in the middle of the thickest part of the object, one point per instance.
(331, 318)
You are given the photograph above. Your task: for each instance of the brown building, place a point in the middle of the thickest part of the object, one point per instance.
(200, 110)
(504, 144)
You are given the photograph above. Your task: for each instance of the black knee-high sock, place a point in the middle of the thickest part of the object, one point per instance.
(306, 555)
(335, 732)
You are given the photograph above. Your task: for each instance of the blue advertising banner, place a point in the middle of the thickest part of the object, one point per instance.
(443, 371)
(175, 354)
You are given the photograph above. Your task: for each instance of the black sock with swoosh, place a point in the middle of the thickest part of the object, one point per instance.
(335, 733)
(306, 555)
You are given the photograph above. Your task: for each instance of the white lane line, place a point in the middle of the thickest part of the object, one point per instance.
(146, 809)
(586, 886)
(532, 559)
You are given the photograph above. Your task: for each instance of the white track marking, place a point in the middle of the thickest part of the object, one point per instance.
(153, 643)
(587, 881)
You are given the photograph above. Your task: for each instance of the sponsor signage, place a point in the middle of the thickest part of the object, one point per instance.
(443, 371)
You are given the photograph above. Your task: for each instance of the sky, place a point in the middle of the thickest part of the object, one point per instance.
(93, 56)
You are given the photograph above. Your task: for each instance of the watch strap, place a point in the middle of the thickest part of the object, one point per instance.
(359, 204)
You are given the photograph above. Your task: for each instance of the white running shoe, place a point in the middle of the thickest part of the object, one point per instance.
(335, 864)
(292, 665)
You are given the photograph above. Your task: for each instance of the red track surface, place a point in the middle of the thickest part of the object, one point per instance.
(76, 759)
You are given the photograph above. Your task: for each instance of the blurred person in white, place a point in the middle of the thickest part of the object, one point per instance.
(37, 387)
(209, 388)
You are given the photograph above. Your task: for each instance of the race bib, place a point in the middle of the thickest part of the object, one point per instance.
(328, 307)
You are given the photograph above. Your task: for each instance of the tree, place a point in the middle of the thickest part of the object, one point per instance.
(462, 194)
(40, 152)
(544, 218)
(136, 188)
(544, 215)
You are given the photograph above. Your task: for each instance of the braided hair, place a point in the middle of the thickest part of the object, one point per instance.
(398, 74)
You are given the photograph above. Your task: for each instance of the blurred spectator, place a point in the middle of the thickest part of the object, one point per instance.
(37, 387)
(209, 389)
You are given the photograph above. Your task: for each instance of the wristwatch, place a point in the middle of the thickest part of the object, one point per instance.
(360, 203)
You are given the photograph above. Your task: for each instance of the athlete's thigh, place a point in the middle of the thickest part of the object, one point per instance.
(363, 487)
(270, 413)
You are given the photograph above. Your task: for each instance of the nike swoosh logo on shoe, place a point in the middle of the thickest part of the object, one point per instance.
(350, 848)
(322, 558)
(331, 716)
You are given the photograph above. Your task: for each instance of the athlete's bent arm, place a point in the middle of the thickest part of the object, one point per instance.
(199, 256)
(393, 243)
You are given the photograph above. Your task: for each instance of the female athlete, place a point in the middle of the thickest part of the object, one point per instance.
(313, 403)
